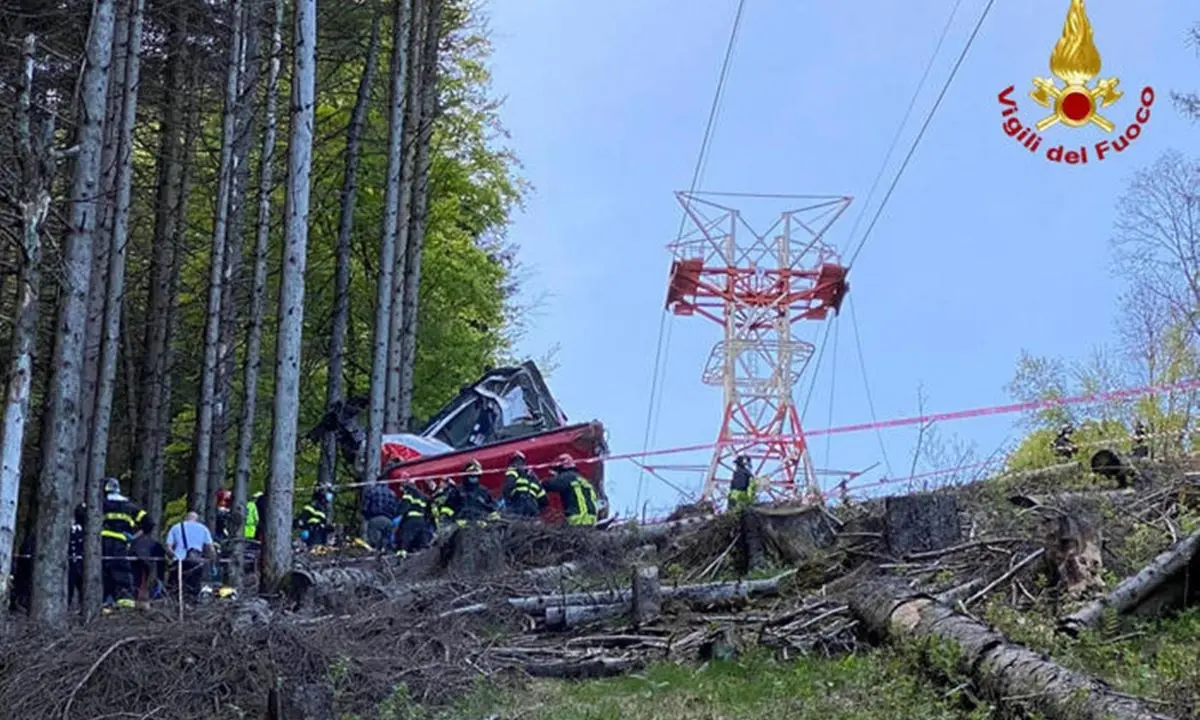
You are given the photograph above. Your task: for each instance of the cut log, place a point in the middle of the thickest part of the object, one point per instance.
(474, 552)
(666, 528)
(708, 592)
(554, 572)
(923, 522)
(1065, 498)
(1073, 554)
(793, 535)
(332, 587)
(647, 595)
(1006, 673)
(561, 618)
(1135, 590)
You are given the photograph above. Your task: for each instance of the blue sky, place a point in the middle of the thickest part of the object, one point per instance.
(980, 250)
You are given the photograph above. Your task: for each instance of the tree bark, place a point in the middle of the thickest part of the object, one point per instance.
(32, 206)
(98, 285)
(420, 210)
(110, 347)
(152, 429)
(1133, 590)
(1002, 670)
(49, 602)
(384, 294)
(212, 324)
(248, 74)
(258, 292)
(278, 551)
(335, 382)
(408, 158)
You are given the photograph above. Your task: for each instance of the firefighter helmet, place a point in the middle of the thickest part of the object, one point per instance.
(474, 466)
(565, 461)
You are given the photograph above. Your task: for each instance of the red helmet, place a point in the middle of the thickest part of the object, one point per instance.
(224, 499)
(565, 461)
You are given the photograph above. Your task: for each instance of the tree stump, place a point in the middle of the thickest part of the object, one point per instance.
(647, 595)
(793, 535)
(920, 523)
(1073, 555)
(293, 701)
(474, 552)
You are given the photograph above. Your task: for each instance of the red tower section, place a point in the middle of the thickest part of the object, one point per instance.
(757, 286)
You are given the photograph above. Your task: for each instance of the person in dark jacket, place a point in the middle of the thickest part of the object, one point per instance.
(523, 494)
(1064, 444)
(75, 556)
(314, 518)
(1141, 449)
(22, 571)
(149, 562)
(741, 486)
(579, 498)
(414, 522)
(121, 520)
(477, 503)
(379, 508)
(447, 501)
(224, 515)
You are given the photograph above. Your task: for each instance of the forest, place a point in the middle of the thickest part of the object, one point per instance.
(220, 218)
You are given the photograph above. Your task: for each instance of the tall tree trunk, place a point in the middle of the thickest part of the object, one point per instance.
(166, 219)
(235, 242)
(110, 346)
(278, 551)
(335, 383)
(93, 337)
(154, 505)
(420, 209)
(258, 292)
(202, 446)
(412, 119)
(33, 206)
(49, 602)
(387, 244)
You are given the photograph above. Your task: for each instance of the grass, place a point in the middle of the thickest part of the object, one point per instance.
(865, 686)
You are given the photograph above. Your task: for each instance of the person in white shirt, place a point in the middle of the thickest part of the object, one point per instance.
(192, 544)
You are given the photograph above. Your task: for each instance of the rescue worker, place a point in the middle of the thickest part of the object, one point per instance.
(121, 521)
(149, 562)
(742, 490)
(75, 555)
(1141, 449)
(313, 519)
(414, 521)
(523, 494)
(577, 494)
(1064, 447)
(477, 503)
(379, 509)
(447, 501)
(224, 515)
(255, 509)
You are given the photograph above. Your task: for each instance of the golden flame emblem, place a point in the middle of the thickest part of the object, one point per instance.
(1075, 61)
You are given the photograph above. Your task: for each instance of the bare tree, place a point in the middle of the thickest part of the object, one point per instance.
(1157, 233)
(258, 291)
(212, 325)
(419, 221)
(1040, 378)
(385, 295)
(35, 165)
(152, 428)
(1189, 103)
(335, 382)
(408, 159)
(115, 293)
(49, 601)
(281, 481)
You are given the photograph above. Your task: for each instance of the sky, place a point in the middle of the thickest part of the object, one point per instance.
(980, 252)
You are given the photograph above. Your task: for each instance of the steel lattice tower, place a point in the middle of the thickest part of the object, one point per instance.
(757, 286)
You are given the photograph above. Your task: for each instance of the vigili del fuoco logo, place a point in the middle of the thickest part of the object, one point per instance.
(1076, 103)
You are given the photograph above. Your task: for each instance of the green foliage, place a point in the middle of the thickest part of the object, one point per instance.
(863, 686)
(1036, 450)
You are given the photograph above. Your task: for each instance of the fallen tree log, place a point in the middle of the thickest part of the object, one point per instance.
(1033, 501)
(708, 592)
(582, 669)
(560, 618)
(1003, 672)
(666, 528)
(1134, 590)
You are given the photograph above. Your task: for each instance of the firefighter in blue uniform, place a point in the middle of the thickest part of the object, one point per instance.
(122, 518)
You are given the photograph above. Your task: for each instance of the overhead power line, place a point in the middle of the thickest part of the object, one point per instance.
(921, 134)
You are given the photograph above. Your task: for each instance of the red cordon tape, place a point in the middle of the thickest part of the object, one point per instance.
(1110, 396)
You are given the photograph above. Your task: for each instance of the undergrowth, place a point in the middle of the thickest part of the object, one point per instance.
(864, 686)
